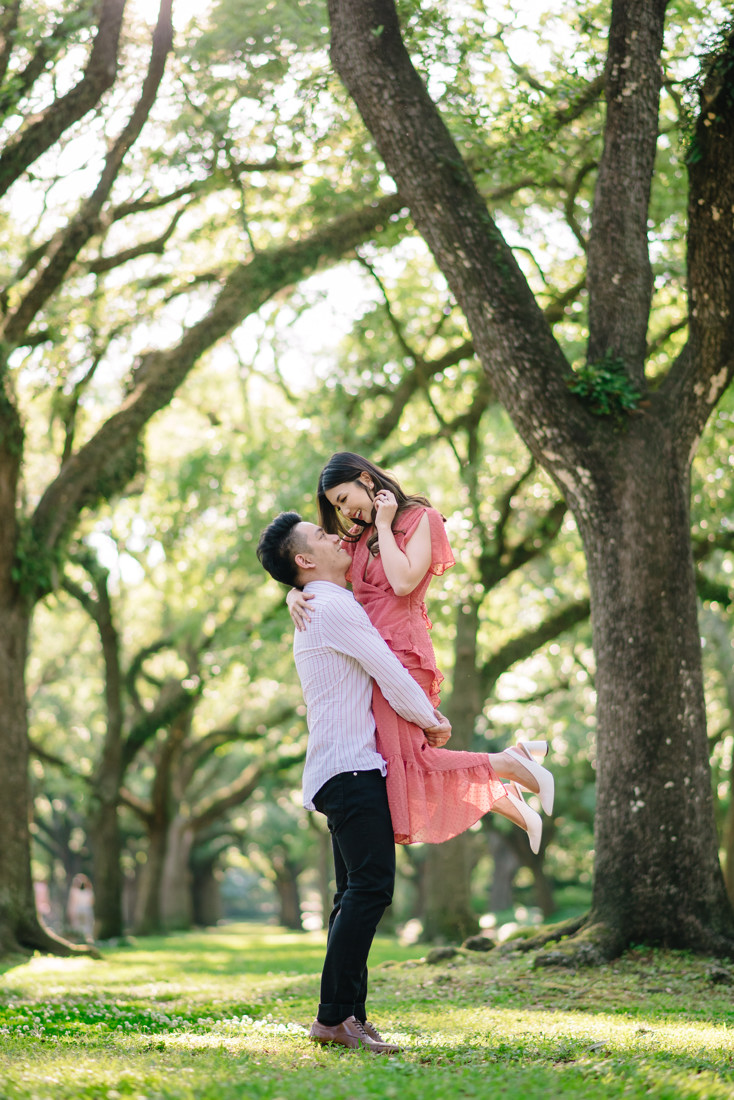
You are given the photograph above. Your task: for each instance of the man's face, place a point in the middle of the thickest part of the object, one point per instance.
(323, 559)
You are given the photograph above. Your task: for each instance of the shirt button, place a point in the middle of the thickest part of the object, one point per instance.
(354, 773)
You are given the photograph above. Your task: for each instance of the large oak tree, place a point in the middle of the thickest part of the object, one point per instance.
(618, 445)
(102, 230)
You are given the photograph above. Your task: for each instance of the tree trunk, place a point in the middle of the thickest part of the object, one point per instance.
(505, 867)
(206, 894)
(176, 909)
(20, 929)
(542, 887)
(289, 898)
(148, 917)
(107, 876)
(18, 910)
(657, 874)
(448, 911)
(105, 832)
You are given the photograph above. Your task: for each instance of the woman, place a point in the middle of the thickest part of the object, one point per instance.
(398, 543)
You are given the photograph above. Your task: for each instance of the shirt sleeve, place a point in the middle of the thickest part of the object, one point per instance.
(348, 630)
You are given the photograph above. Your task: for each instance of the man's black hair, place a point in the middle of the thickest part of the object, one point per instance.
(279, 543)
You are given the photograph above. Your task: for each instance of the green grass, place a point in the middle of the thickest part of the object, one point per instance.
(221, 1015)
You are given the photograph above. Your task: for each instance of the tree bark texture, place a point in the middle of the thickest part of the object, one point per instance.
(206, 893)
(17, 906)
(656, 843)
(104, 832)
(449, 913)
(619, 276)
(626, 480)
(176, 904)
(48, 126)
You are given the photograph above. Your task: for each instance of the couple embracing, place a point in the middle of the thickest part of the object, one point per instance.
(375, 762)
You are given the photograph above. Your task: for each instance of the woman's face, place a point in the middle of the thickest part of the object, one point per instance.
(354, 499)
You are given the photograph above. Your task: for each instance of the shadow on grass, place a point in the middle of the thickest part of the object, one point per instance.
(223, 1014)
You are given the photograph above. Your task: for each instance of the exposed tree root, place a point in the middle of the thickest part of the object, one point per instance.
(588, 942)
(34, 937)
(529, 940)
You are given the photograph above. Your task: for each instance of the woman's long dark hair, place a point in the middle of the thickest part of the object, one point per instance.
(346, 466)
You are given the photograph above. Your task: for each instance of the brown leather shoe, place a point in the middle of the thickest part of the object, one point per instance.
(374, 1033)
(350, 1033)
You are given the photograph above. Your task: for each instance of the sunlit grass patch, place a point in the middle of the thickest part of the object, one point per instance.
(223, 1015)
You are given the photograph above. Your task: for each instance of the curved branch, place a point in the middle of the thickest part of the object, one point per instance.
(8, 26)
(620, 277)
(700, 376)
(513, 339)
(524, 646)
(153, 247)
(45, 128)
(99, 468)
(212, 807)
(67, 246)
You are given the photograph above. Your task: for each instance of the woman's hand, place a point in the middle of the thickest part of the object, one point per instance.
(385, 508)
(298, 607)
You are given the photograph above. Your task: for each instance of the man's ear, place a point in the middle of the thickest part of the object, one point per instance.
(303, 562)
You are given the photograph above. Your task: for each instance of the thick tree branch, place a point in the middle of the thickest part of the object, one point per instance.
(141, 806)
(517, 649)
(512, 337)
(212, 807)
(65, 249)
(44, 129)
(173, 702)
(156, 246)
(701, 375)
(8, 26)
(204, 746)
(619, 272)
(97, 470)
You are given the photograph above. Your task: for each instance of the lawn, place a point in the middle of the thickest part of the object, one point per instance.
(224, 1014)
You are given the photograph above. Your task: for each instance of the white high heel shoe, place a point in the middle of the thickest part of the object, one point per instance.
(537, 749)
(533, 821)
(544, 779)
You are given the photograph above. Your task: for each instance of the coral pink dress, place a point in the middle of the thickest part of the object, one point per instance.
(434, 794)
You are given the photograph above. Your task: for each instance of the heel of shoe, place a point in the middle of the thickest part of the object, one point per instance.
(533, 821)
(536, 749)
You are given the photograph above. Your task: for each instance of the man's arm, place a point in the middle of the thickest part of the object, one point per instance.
(351, 632)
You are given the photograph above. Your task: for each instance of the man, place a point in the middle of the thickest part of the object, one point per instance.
(344, 775)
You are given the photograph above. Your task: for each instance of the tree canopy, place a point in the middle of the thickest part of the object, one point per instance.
(215, 274)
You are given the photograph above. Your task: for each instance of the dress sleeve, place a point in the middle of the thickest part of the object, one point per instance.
(442, 557)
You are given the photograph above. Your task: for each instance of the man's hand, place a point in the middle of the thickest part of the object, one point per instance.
(438, 735)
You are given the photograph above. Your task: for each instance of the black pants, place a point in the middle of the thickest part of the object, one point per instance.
(358, 815)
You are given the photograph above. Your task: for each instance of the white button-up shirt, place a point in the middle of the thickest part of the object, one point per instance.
(337, 655)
